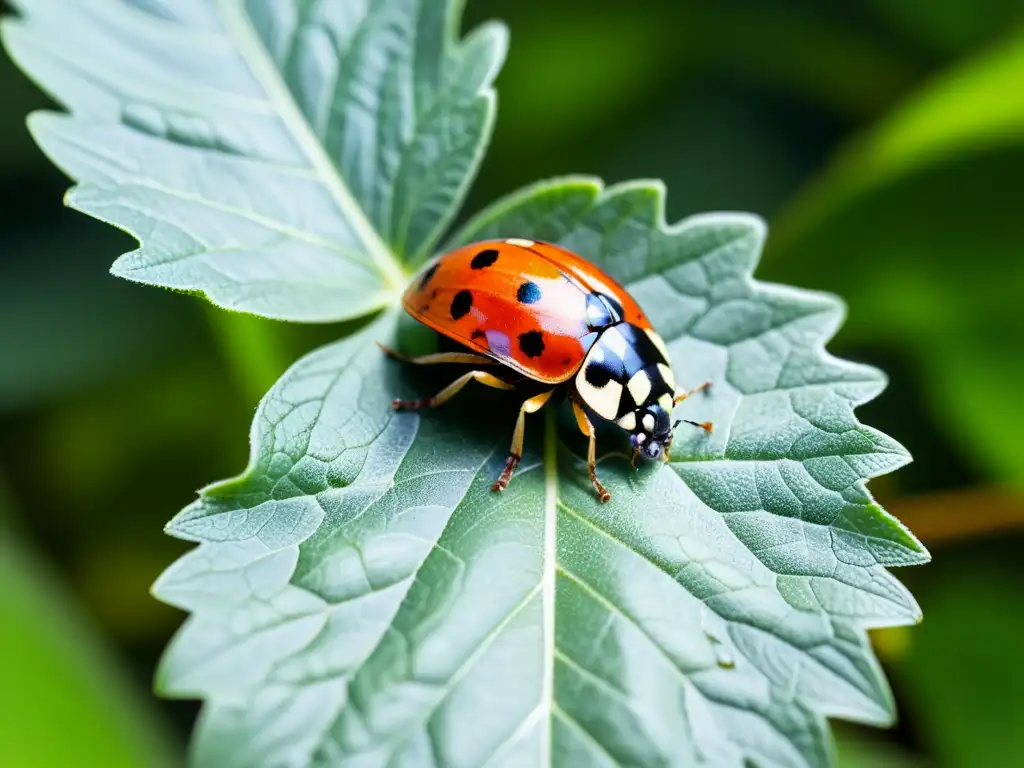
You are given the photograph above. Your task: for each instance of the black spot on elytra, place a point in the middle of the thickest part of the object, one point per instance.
(478, 334)
(433, 294)
(484, 259)
(428, 276)
(532, 343)
(461, 304)
(598, 374)
(528, 293)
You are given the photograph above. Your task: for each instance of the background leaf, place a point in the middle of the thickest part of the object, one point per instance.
(54, 670)
(93, 327)
(865, 753)
(359, 593)
(951, 27)
(116, 405)
(277, 158)
(948, 148)
(964, 670)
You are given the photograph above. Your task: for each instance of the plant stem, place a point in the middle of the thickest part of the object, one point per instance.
(253, 349)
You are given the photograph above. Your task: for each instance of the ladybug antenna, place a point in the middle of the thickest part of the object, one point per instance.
(705, 425)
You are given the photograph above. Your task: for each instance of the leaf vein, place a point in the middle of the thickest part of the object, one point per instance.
(271, 79)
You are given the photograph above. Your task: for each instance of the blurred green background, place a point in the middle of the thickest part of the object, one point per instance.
(882, 140)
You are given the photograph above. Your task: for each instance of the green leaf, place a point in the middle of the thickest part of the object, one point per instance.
(955, 146)
(117, 329)
(360, 595)
(281, 158)
(855, 753)
(18, 158)
(950, 28)
(964, 671)
(959, 111)
(62, 695)
(985, 426)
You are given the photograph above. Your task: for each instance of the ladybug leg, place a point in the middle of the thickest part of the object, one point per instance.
(451, 390)
(683, 395)
(588, 429)
(439, 357)
(515, 455)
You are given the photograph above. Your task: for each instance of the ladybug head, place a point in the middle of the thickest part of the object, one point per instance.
(653, 432)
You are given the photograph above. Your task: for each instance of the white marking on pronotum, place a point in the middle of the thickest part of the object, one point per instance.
(640, 387)
(656, 340)
(615, 342)
(648, 422)
(641, 437)
(520, 242)
(628, 422)
(666, 376)
(605, 399)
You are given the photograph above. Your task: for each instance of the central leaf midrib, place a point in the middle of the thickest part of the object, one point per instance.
(549, 573)
(239, 27)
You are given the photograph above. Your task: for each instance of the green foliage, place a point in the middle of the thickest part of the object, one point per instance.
(951, 27)
(738, 578)
(358, 591)
(965, 673)
(92, 327)
(948, 148)
(327, 159)
(55, 671)
(855, 753)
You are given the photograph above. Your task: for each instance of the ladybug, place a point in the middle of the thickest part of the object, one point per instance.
(535, 313)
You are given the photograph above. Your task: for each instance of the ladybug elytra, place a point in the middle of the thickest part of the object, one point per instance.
(543, 313)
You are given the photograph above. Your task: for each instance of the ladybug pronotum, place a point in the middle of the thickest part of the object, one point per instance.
(530, 310)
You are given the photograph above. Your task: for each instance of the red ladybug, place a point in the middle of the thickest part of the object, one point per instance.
(553, 318)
